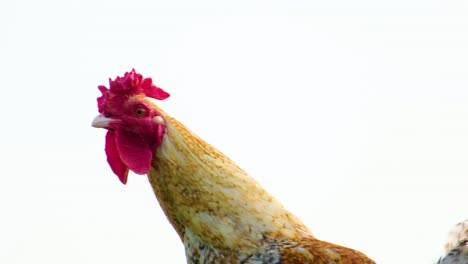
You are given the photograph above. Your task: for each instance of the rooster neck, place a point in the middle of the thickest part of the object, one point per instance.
(208, 198)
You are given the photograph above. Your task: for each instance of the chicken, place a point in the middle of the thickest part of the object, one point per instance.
(221, 214)
(456, 247)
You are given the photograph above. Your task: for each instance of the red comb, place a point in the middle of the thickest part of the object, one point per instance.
(131, 83)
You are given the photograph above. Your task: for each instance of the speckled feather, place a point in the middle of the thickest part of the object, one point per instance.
(456, 247)
(223, 215)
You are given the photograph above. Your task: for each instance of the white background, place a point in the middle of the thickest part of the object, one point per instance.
(353, 113)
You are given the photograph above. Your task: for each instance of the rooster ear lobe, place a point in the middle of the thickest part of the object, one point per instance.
(113, 158)
(134, 152)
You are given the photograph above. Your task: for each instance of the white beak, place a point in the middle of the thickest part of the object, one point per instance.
(101, 121)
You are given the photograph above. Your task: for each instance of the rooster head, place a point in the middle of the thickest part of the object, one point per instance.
(135, 128)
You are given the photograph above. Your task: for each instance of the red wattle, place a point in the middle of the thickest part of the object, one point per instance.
(134, 152)
(113, 157)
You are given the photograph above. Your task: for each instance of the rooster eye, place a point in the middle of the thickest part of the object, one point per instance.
(140, 112)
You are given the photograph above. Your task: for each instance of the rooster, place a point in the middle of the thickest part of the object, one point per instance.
(456, 247)
(221, 214)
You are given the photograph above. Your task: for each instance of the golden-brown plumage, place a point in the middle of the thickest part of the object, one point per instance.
(221, 214)
(203, 191)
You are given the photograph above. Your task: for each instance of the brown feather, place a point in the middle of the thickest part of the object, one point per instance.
(223, 215)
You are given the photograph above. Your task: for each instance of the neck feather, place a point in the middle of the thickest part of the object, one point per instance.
(202, 190)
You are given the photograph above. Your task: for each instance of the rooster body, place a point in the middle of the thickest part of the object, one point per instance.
(221, 214)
